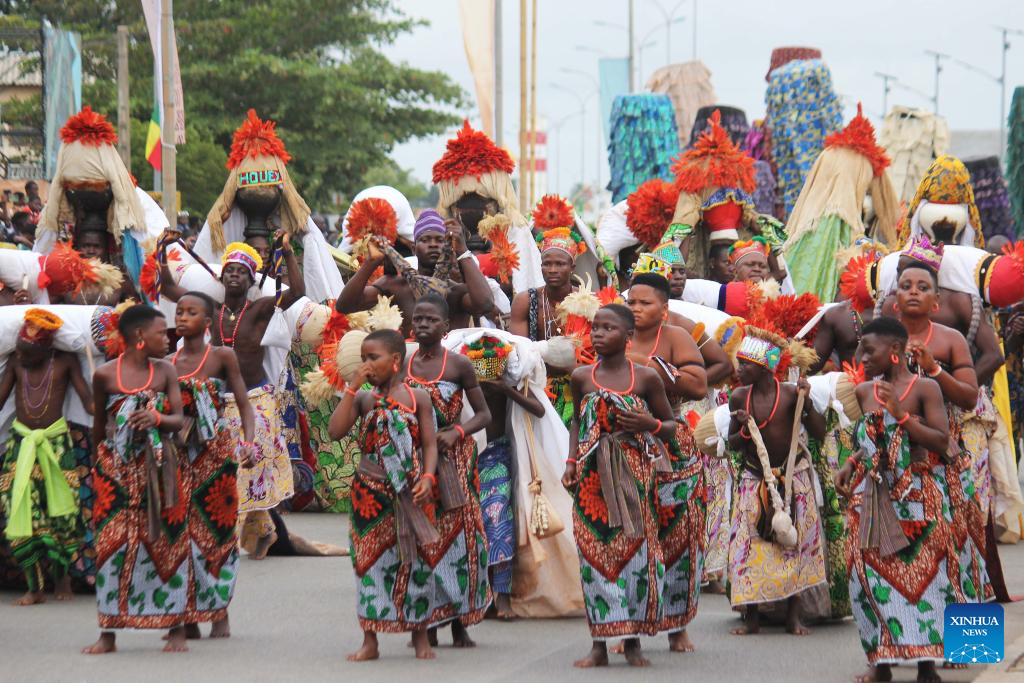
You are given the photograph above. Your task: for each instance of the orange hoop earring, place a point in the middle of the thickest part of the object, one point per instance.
(140, 345)
(894, 358)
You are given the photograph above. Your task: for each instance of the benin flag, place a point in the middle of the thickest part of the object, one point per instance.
(153, 146)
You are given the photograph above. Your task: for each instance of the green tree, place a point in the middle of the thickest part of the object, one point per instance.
(314, 67)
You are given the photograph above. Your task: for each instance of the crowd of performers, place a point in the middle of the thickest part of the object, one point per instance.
(538, 418)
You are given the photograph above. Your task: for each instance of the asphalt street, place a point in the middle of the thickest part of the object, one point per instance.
(293, 619)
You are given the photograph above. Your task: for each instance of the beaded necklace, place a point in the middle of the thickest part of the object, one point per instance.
(120, 384)
(174, 361)
(775, 407)
(444, 364)
(230, 341)
(629, 389)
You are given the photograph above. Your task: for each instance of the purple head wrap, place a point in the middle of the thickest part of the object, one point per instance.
(429, 221)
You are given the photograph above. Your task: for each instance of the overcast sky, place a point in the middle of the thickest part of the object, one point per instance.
(735, 39)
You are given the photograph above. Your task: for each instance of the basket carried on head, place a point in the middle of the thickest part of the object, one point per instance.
(489, 356)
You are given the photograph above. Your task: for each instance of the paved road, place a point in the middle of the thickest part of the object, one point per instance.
(293, 619)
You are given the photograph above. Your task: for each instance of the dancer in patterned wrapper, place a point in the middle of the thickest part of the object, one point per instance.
(240, 323)
(682, 500)
(459, 560)
(771, 561)
(142, 543)
(392, 498)
(38, 477)
(903, 567)
(209, 481)
(941, 353)
(621, 415)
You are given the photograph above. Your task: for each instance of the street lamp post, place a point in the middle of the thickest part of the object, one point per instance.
(886, 87)
(597, 131)
(667, 16)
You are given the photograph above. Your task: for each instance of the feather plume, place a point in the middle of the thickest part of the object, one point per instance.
(471, 153)
(504, 254)
(553, 212)
(713, 161)
(147, 277)
(384, 316)
(89, 128)
(316, 389)
(256, 138)
(729, 335)
(859, 136)
(498, 221)
(853, 282)
(854, 371)
(372, 216)
(107, 277)
(698, 331)
(649, 211)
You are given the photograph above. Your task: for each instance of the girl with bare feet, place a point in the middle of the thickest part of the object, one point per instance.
(620, 416)
(395, 481)
(673, 353)
(142, 544)
(205, 372)
(38, 478)
(775, 548)
(901, 566)
(450, 380)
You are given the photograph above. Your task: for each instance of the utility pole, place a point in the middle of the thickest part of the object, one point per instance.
(499, 135)
(124, 130)
(523, 76)
(1005, 46)
(632, 48)
(695, 30)
(939, 56)
(169, 116)
(533, 105)
(886, 80)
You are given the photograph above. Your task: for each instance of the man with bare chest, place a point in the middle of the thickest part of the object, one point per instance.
(38, 476)
(775, 551)
(433, 236)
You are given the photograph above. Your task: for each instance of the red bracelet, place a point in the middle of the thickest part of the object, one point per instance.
(460, 430)
(903, 420)
(156, 416)
(432, 478)
(570, 460)
(350, 391)
(658, 428)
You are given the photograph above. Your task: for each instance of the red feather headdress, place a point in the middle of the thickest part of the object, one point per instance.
(553, 212)
(89, 128)
(714, 161)
(255, 138)
(854, 282)
(471, 153)
(650, 209)
(859, 136)
(372, 216)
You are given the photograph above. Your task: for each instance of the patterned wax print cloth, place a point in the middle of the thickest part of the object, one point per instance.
(211, 488)
(621, 561)
(463, 540)
(142, 580)
(762, 571)
(497, 485)
(898, 600)
(270, 481)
